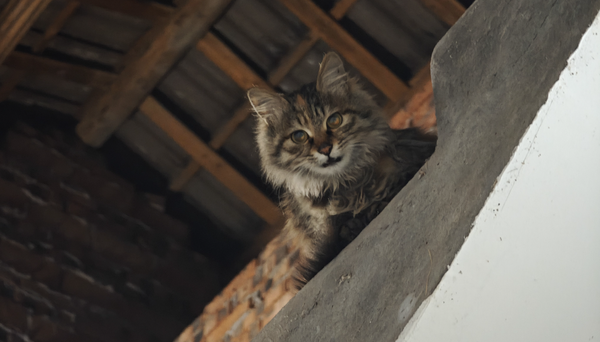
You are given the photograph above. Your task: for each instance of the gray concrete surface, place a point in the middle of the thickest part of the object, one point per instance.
(491, 74)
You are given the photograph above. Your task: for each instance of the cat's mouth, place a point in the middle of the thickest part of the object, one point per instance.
(331, 161)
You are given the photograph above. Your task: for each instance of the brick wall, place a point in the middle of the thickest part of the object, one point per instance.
(259, 291)
(250, 300)
(83, 257)
(419, 111)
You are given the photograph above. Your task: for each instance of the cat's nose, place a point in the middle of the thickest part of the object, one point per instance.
(325, 149)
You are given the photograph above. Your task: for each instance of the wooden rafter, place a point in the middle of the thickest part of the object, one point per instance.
(15, 20)
(59, 21)
(448, 11)
(287, 63)
(229, 62)
(35, 64)
(104, 113)
(211, 161)
(336, 37)
(18, 74)
(150, 11)
(10, 83)
(245, 78)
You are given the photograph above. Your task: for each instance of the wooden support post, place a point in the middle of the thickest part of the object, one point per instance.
(336, 37)
(212, 162)
(15, 20)
(104, 113)
(448, 11)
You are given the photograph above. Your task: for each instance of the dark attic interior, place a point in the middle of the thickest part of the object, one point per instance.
(131, 196)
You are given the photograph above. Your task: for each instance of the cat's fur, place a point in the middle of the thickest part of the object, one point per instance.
(338, 180)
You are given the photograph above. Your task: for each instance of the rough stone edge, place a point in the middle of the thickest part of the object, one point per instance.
(488, 90)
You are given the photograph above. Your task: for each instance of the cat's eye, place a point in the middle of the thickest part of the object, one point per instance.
(334, 121)
(299, 137)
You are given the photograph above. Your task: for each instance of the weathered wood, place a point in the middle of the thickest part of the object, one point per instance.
(288, 62)
(10, 83)
(58, 22)
(416, 84)
(339, 10)
(337, 38)
(229, 62)
(15, 20)
(448, 11)
(150, 11)
(219, 139)
(211, 161)
(34, 64)
(103, 114)
(225, 59)
(186, 174)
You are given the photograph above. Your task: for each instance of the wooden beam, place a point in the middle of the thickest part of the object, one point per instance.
(151, 11)
(186, 174)
(57, 24)
(10, 83)
(78, 74)
(211, 161)
(288, 62)
(229, 62)
(103, 114)
(448, 11)
(15, 20)
(338, 39)
(235, 68)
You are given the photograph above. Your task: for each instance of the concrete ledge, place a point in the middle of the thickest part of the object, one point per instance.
(491, 74)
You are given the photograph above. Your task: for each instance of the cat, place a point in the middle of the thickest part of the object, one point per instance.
(329, 149)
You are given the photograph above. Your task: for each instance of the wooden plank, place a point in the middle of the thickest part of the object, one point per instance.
(288, 62)
(233, 66)
(340, 9)
(151, 11)
(181, 180)
(211, 161)
(229, 62)
(10, 83)
(103, 114)
(58, 22)
(15, 20)
(416, 85)
(337, 38)
(78, 74)
(448, 11)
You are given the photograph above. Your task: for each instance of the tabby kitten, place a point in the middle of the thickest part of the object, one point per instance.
(328, 147)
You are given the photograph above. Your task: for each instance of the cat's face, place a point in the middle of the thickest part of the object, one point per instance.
(320, 136)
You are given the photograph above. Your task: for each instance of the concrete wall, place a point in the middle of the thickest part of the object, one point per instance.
(491, 74)
(530, 269)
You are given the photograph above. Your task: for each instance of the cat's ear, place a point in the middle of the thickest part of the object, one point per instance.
(332, 77)
(267, 104)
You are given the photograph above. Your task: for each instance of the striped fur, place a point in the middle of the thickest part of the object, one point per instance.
(336, 181)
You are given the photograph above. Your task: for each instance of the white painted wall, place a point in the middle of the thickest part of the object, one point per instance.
(530, 269)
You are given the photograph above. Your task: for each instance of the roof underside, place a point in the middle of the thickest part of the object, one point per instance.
(198, 91)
